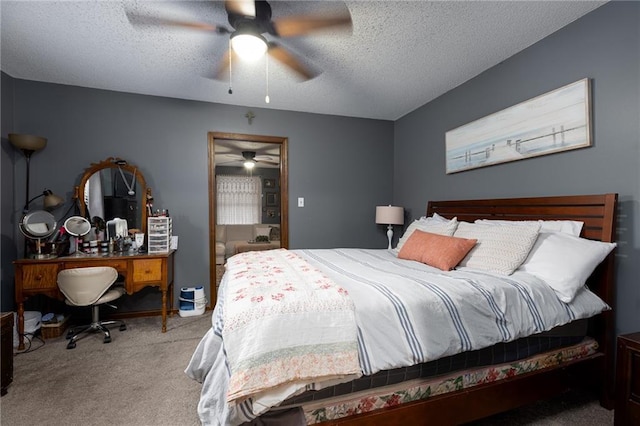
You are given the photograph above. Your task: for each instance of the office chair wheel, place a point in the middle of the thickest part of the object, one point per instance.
(71, 345)
(123, 327)
(107, 339)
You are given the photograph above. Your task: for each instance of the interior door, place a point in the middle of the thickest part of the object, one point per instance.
(216, 139)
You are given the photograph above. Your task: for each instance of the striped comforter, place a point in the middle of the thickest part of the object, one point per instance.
(406, 313)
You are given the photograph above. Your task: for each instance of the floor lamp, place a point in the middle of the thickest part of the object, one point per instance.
(28, 144)
(389, 215)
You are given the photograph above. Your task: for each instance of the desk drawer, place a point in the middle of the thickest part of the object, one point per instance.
(39, 276)
(120, 265)
(147, 270)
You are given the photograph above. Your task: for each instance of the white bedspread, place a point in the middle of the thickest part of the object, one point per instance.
(406, 313)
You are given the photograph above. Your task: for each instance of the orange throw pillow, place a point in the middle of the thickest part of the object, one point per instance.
(440, 251)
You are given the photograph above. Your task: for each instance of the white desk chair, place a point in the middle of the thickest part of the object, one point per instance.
(90, 287)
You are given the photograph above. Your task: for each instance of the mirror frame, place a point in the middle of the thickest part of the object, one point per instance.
(110, 163)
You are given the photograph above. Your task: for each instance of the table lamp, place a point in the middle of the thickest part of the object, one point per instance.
(50, 202)
(389, 215)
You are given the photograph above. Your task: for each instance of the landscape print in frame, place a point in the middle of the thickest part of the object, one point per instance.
(553, 122)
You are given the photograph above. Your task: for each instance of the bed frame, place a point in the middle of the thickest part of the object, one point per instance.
(598, 212)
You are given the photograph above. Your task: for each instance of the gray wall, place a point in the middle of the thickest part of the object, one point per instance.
(603, 46)
(340, 165)
(7, 205)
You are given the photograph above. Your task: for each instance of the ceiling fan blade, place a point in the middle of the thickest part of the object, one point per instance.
(223, 69)
(147, 20)
(285, 57)
(222, 163)
(292, 26)
(267, 159)
(241, 7)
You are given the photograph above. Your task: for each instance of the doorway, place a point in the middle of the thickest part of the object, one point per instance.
(217, 140)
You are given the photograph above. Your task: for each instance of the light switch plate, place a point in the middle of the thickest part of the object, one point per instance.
(300, 201)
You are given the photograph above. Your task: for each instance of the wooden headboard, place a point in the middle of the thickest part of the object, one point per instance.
(598, 212)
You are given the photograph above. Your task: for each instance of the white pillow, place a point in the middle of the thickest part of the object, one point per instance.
(262, 231)
(565, 262)
(434, 218)
(500, 248)
(435, 226)
(571, 227)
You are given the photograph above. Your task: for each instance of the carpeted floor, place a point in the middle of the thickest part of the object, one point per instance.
(570, 409)
(138, 380)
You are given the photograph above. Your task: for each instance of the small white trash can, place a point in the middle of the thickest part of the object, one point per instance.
(32, 323)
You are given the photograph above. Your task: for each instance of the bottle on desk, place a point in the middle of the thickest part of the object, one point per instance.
(161, 213)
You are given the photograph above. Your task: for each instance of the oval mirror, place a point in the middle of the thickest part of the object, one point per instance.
(38, 224)
(114, 188)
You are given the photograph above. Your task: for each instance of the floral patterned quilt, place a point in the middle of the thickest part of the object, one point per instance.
(286, 325)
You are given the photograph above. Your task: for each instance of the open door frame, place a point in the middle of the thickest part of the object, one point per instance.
(284, 195)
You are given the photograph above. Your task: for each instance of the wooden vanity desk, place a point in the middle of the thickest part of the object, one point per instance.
(39, 276)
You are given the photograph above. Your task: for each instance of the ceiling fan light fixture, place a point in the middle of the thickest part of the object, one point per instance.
(248, 46)
(249, 164)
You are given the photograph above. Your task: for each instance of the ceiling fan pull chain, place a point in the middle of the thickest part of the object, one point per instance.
(230, 59)
(266, 98)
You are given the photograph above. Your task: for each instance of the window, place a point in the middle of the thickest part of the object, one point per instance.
(238, 199)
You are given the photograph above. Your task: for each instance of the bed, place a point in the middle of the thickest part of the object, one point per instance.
(442, 397)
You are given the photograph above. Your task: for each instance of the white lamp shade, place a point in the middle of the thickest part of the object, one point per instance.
(389, 215)
(27, 142)
(52, 201)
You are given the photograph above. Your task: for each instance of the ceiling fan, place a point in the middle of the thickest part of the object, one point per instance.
(249, 159)
(252, 25)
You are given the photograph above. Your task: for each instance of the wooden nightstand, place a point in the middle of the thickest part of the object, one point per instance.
(628, 380)
(6, 353)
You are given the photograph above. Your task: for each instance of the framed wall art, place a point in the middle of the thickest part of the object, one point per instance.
(271, 199)
(269, 183)
(553, 122)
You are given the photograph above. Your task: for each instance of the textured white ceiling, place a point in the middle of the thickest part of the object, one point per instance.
(399, 55)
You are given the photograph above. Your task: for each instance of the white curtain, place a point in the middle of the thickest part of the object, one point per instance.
(238, 199)
(93, 196)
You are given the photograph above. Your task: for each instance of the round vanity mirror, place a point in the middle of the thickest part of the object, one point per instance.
(77, 226)
(36, 226)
